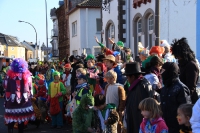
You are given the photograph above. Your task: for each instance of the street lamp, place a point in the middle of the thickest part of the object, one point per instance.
(35, 34)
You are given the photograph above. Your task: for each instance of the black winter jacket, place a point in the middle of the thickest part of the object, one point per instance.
(133, 115)
(171, 98)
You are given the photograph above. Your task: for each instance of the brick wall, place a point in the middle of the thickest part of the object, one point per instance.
(63, 36)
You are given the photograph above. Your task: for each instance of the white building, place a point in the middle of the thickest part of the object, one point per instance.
(37, 53)
(54, 33)
(114, 21)
(85, 23)
(135, 21)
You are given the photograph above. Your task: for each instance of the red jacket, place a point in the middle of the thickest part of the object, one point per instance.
(42, 92)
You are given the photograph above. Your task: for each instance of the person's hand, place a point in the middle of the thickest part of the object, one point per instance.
(90, 130)
(73, 94)
(111, 41)
(97, 40)
(105, 122)
(58, 94)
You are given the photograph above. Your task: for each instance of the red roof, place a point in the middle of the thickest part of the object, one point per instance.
(137, 3)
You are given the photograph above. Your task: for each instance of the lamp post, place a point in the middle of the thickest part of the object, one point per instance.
(46, 23)
(35, 34)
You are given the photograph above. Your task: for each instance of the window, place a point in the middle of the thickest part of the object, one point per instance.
(151, 22)
(12, 48)
(30, 56)
(150, 30)
(139, 30)
(97, 50)
(75, 52)
(99, 25)
(74, 28)
(111, 33)
(12, 56)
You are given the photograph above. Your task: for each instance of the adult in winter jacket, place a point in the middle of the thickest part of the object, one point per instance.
(173, 94)
(139, 89)
(189, 71)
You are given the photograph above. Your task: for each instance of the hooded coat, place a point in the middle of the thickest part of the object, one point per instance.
(173, 94)
(83, 118)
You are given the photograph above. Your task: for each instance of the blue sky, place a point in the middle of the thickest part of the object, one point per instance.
(32, 11)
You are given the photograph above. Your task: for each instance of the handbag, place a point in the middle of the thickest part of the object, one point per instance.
(72, 106)
(54, 106)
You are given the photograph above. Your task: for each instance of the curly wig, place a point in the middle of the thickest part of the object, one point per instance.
(181, 49)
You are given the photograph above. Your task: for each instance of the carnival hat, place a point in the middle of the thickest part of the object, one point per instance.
(116, 53)
(157, 50)
(82, 77)
(120, 43)
(56, 73)
(90, 57)
(133, 68)
(110, 57)
(67, 65)
(19, 65)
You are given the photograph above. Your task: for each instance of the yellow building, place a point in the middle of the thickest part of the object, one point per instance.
(12, 47)
(15, 52)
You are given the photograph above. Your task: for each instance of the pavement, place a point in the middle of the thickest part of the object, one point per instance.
(44, 128)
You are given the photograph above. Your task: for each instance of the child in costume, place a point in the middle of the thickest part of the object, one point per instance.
(57, 89)
(115, 94)
(107, 115)
(18, 85)
(92, 72)
(152, 121)
(81, 89)
(41, 99)
(184, 114)
(83, 116)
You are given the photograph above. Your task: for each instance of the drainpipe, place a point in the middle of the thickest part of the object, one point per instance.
(128, 23)
(86, 27)
(101, 13)
(157, 22)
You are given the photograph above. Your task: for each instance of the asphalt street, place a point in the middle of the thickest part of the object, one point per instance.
(44, 128)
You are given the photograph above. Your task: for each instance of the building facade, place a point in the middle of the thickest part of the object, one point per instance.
(172, 22)
(63, 30)
(32, 52)
(11, 47)
(114, 19)
(85, 23)
(198, 31)
(54, 33)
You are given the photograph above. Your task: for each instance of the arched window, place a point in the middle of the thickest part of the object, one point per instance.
(139, 30)
(150, 29)
(110, 33)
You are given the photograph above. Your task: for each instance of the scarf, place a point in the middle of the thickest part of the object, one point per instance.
(79, 86)
(135, 83)
(67, 73)
(103, 126)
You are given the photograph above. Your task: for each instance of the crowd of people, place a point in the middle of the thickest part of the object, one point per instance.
(110, 93)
